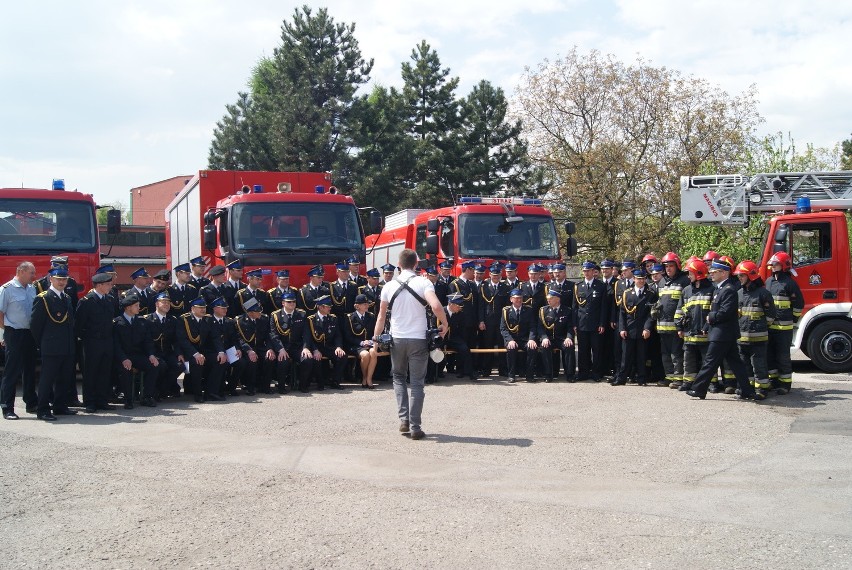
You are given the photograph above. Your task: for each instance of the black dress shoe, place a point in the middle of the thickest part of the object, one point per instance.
(65, 412)
(149, 402)
(249, 391)
(512, 379)
(215, 397)
(47, 416)
(199, 399)
(10, 415)
(106, 407)
(618, 383)
(76, 403)
(694, 394)
(91, 409)
(32, 409)
(128, 406)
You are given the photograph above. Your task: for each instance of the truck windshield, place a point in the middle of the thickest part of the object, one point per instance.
(47, 225)
(488, 235)
(301, 226)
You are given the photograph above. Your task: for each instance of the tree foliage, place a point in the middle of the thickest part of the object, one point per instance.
(846, 156)
(296, 115)
(615, 139)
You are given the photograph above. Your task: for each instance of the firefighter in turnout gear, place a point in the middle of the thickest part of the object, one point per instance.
(789, 305)
(669, 291)
(690, 319)
(757, 312)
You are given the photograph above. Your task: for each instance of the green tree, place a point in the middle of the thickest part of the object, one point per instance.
(297, 114)
(433, 116)
(846, 156)
(495, 157)
(377, 172)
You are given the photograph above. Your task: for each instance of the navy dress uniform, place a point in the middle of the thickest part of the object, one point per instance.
(254, 291)
(93, 326)
(181, 294)
(323, 338)
(516, 326)
(357, 339)
(72, 289)
(133, 348)
(556, 326)
(342, 292)
(634, 327)
(493, 296)
(724, 330)
(276, 293)
(455, 339)
(257, 364)
(312, 291)
(140, 293)
(374, 292)
(160, 284)
(225, 331)
(162, 329)
(198, 279)
(590, 322)
(213, 291)
(354, 268)
(232, 285)
(196, 337)
(286, 333)
(52, 326)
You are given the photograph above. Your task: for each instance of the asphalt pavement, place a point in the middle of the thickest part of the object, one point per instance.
(519, 475)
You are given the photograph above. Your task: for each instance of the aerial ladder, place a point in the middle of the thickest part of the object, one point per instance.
(729, 199)
(807, 218)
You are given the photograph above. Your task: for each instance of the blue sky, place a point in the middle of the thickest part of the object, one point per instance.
(112, 95)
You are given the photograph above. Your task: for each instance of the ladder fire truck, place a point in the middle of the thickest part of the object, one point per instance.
(811, 226)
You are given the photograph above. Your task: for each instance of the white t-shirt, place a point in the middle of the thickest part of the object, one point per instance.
(408, 316)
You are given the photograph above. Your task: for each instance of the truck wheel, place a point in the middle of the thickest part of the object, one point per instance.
(830, 346)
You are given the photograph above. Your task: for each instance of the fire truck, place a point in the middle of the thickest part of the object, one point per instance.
(37, 224)
(274, 220)
(475, 228)
(811, 226)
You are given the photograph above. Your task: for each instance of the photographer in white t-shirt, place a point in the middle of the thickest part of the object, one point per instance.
(408, 324)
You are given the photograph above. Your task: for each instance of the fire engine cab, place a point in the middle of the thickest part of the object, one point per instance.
(811, 226)
(486, 228)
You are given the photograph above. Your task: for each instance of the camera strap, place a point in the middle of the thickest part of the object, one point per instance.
(404, 285)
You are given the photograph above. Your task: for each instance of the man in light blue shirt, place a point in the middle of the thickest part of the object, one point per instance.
(16, 306)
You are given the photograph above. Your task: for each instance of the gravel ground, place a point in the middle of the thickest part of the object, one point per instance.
(525, 475)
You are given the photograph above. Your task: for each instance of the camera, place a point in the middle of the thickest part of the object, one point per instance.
(384, 342)
(436, 344)
(433, 336)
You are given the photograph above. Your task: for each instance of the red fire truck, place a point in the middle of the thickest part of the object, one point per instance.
(815, 235)
(274, 220)
(475, 228)
(37, 224)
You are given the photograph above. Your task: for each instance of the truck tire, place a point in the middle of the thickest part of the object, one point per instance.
(830, 346)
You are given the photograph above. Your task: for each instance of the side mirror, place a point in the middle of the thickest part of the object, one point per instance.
(570, 228)
(432, 244)
(210, 237)
(113, 222)
(571, 247)
(432, 226)
(781, 234)
(377, 222)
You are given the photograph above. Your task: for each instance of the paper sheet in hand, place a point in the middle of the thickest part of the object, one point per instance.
(231, 353)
